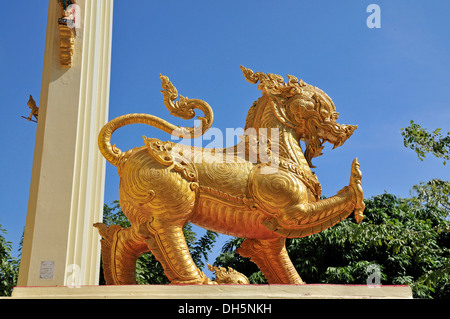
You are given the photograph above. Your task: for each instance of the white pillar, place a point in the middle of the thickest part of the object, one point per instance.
(61, 247)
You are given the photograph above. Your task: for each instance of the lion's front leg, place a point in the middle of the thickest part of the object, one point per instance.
(304, 219)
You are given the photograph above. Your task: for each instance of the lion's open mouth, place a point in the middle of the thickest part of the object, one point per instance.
(330, 132)
(335, 134)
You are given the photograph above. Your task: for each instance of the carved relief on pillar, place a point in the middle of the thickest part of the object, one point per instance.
(67, 30)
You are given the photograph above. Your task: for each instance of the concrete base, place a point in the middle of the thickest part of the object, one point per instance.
(216, 292)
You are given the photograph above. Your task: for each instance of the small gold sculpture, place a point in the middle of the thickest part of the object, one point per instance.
(261, 189)
(34, 110)
(228, 276)
(67, 33)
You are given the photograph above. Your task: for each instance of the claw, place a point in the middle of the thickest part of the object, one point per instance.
(359, 215)
(355, 183)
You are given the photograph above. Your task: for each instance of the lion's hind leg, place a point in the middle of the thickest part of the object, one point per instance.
(121, 248)
(168, 245)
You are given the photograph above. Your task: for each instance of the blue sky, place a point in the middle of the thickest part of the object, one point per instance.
(379, 79)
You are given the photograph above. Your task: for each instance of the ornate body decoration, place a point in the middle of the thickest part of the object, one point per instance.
(164, 185)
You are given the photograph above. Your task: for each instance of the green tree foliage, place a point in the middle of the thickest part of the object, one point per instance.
(408, 241)
(433, 194)
(9, 266)
(422, 142)
(148, 269)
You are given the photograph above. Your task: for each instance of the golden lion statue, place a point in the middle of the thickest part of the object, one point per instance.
(261, 189)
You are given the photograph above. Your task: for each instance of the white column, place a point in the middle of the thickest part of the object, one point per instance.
(61, 247)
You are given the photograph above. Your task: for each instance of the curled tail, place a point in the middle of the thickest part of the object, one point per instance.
(183, 108)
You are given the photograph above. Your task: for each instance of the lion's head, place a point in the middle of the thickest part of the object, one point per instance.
(305, 108)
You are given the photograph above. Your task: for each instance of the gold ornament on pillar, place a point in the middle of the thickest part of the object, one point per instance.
(67, 31)
(262, 189)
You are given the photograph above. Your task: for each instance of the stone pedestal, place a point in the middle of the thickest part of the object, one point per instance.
(217, 292)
